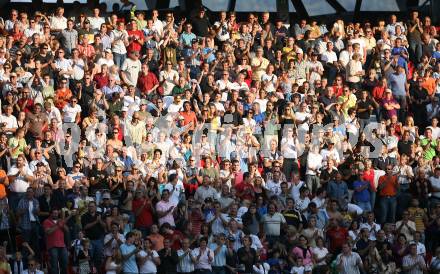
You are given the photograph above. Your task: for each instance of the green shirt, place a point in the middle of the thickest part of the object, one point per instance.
(429, 150)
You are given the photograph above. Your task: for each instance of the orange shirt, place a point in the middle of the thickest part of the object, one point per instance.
(4, 184)
(387, 186)
(157, 241)
(430, 85)
(62, 97)
(189, 117)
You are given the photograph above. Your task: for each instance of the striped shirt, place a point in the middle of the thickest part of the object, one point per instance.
(185, 264)
(350, 263)
(410, 260)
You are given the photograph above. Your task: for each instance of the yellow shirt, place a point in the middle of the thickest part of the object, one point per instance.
(351, 103)
(261, 67)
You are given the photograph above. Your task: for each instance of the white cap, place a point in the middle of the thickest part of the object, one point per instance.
(299, 51)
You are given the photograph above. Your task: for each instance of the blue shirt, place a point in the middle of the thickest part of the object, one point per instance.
(186, 38)
(220, 257)
(397, 84)
(129, 265)
(361, 196)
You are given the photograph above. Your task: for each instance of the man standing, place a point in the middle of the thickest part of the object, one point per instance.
(128, 252)
(349, 261)
(272, 223)
(93, 226)
(414, 263)
(387, 189)
(54, 229)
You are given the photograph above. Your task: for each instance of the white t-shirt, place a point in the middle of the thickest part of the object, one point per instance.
(132, 68)
(96, 22)
(169, 84)
(149, 266)
(70, 113)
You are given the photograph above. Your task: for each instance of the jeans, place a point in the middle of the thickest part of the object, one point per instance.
(401, 113)
(388, 206)
(32, 236)
(14, 199)
(118, 59)
(58, 255)
(218, 270)
(415, 51)
(366, 206)
(97, 251)
(203, 271)
(372, 199)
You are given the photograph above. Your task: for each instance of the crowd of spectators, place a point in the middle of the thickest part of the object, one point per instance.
(147, 142)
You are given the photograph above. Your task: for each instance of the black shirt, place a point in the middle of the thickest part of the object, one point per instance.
(168, 263)
(96, 231)
(100, 178)
(364, 105)
(201, 26)
(404, 147)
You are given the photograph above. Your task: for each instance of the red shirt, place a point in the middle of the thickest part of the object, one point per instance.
(56, 239)
(337, 236)
(244, 190)
(175, 239)
(134, 44)
(101, 80)
(378, 93)
(338, 91)
(29, 104)
(145, 218)
(147, 82)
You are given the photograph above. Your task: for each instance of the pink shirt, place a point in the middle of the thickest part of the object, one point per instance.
(165, 206)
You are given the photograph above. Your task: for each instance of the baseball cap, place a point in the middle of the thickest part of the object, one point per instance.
(106, 196)
(124, 108)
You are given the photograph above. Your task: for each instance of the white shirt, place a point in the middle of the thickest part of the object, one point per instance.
(169, 84)
(334, 154)
(314, 163)
(32, 272)
(178, 189)
(435, 183)
(372, 228)
(288, 148)
(118, 38)
(329, 57)
(11, 121)
(19, 184)
(59, 23)
(262, 103)
(132, 68)
(149, 266)
(70, 113)
(96, 22)
(320, 253)
(205, 260)
(173, 108)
